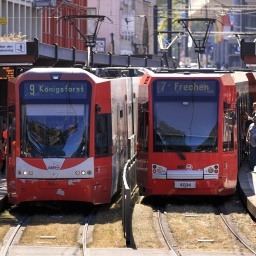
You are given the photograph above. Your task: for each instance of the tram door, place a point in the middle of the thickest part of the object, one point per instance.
(3, 113)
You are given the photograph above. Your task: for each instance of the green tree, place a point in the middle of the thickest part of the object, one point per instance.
(173, 14)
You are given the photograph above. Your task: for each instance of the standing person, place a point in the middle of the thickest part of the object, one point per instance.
(246, 121)
(4, 145)
(1, 153)
(251, 139)
(253, 109)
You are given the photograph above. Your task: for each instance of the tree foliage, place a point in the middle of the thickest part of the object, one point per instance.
(12, 37)
(172, 14)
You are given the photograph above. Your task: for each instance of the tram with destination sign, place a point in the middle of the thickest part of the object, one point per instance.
(188, 136)
(68, 133)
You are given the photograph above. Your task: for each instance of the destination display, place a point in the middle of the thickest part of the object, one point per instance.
(6, 72)
(186, 88)
(54, 90)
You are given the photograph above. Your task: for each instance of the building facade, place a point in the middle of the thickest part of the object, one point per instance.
(128, 27)
(233, 19)
(20, 18)
(58, 29)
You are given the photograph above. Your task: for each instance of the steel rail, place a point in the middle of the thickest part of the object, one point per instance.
(234, 232)
(9, 243)
(164, 234)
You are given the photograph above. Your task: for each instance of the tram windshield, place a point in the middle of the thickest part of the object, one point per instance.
(185, 115)
(55, 126)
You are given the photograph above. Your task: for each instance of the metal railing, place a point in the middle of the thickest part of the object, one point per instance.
(128, 185)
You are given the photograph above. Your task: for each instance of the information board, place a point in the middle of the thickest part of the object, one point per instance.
(6, 72)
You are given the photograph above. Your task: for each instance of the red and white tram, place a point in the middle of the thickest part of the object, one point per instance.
(188, 132)
(67, 135)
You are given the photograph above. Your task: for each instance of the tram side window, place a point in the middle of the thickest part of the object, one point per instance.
(228, 131)
(103, 135)
(143, 127)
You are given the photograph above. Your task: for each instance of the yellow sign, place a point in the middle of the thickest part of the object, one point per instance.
(3, 21)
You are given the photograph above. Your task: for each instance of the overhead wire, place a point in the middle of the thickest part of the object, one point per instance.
(166, 13)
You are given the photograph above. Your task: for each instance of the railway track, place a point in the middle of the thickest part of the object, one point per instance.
(239, 242)
(11, 236)
(166, 234)
(11, 244)
(235, 232)
(185, 226)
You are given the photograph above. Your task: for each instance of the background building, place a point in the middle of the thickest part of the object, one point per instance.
(126, 29)
(130, 26)
(20, 17)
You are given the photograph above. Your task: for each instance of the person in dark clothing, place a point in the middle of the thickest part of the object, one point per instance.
(251, 139)
(4, 145)
(2, 163)
(253, 109)
(246, 121)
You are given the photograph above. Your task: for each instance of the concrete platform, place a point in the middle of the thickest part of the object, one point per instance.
(247, 188)
(3, 191)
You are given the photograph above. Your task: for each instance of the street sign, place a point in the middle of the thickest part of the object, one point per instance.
(3, 21)
(13, 48)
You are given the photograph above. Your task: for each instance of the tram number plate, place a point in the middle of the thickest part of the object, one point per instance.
(53, 184)
(184, 184)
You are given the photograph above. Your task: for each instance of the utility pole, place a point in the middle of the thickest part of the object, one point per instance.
(169, 25)
(155, 17)
(186, 38)
(207, 43)
(112, 43)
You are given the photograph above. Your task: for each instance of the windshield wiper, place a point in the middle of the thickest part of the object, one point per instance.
(180, 154)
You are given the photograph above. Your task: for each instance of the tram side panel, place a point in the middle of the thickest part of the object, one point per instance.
(142, 134)
(229, 150)
(103, 143)
(243, 81)
(10, 145)
(119, 128)
(124, 110)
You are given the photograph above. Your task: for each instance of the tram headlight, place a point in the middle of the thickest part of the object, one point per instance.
(25, 172)
(210, 170)
(82, 172)
(158, 169)
(213, 169)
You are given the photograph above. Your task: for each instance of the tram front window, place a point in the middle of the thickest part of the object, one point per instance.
(193, 129)
(54, 131)
(185, 115)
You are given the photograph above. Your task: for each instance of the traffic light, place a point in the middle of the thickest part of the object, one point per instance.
(232, 27)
